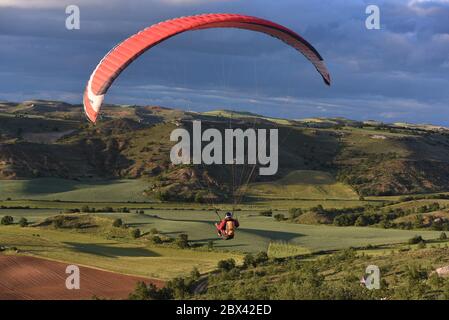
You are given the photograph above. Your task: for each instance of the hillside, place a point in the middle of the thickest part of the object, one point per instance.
(50, 139)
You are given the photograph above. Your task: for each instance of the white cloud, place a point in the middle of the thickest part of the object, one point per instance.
(189, 2)
(63, 3)
(42, 3)
(426, 7)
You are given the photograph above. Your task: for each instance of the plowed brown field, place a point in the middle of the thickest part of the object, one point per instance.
(23, 277)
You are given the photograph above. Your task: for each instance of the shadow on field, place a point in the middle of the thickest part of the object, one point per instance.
(173, 233)
(220, 241)
(110, 251)
(273, 235)
(56, 185)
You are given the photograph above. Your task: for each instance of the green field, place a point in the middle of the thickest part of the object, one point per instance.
(302, 188)
(256, 232)
(45, 197)
(128, 257)
(304, 184)
(71, 190)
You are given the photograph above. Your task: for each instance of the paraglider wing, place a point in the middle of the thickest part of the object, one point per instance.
(124, 53)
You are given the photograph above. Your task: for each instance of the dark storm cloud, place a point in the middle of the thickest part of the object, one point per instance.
(396, 73)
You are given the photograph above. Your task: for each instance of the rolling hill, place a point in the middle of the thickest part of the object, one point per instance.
(51, 139)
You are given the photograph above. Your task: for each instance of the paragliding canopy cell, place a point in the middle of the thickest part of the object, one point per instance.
(127, 51)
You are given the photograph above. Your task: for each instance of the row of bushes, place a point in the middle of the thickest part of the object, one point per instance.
(8, 220)
(87, 209)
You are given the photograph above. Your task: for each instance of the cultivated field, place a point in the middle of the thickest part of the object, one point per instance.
(30, 278)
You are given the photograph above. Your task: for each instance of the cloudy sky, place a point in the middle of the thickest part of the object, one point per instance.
(397, 73)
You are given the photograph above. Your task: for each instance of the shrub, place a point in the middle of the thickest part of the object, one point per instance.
(136, 233)
(249, 261)
(261, 257)
(86, 209)
(226, 265)
(344, 220)
(210, 244)
(318, 209)
(266, 213)
(195, 274)
(117, 223)
(415, 240)
(140, 292)
(199, 197)
(72, 210)
(23, 222)
(150, 292)
(361, 221)
(156, 240)
(279, 217)
(421, 245)
(57, 223)
(7, 220)
(183, 241)
(294, 213)
(179, 287)
(443, 236)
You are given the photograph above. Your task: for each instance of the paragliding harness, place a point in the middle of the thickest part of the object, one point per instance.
(226, 227)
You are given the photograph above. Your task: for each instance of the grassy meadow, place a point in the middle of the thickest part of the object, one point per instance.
(38, 199)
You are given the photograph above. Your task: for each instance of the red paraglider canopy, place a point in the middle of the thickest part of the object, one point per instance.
(124, 53)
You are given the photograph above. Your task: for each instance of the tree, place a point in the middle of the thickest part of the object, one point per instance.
(140, 292)
(117, 223)
(195, 274)
(150, 292)
(23, 222)
(183, 241)
(361, 221)
(7, 220)
(443, 236)
(136, 233)
(179, 287)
